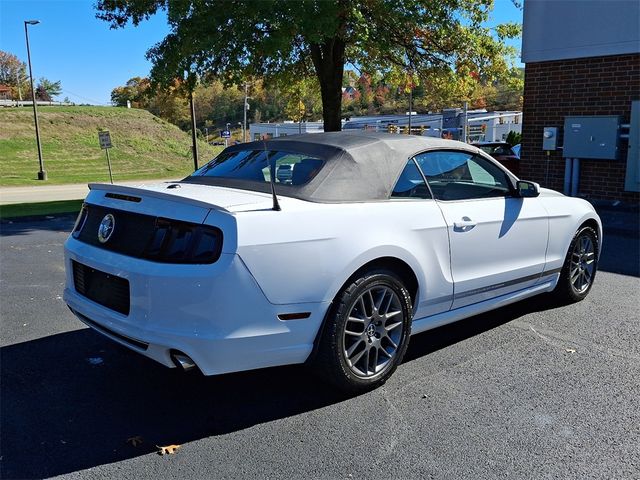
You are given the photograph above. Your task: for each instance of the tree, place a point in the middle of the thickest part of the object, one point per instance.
(11, 69)
(13, 73)
(303, 100)
(42, 94)
(514, 138)
(53, 89)
(318, 37)
(134, 91)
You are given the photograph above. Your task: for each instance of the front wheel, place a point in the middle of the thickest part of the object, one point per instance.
(367, 332)
(579, 269)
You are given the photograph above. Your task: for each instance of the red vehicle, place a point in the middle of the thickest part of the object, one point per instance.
(503, 153)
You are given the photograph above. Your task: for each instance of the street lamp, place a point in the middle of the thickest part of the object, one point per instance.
(42, 174)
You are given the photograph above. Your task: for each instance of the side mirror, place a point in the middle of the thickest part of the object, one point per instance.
(527, 189)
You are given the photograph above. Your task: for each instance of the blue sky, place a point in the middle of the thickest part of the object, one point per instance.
(72, 46)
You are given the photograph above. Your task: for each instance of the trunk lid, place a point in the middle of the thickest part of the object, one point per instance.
(151, 199)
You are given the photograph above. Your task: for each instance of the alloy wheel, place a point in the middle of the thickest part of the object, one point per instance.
(582, 264)
(373, 331)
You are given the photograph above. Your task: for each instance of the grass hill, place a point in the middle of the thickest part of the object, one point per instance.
(144, 146)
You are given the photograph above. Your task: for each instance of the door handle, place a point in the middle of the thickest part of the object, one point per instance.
(465, 224)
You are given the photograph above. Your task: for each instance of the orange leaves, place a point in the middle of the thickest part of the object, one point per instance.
(169, 449)
(162, 450)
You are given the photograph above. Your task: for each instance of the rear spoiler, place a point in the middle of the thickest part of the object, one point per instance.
(141, 191)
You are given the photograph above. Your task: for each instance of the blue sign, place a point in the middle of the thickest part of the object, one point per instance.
(225, 134)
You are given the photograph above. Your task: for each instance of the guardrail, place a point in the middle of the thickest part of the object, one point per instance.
(23, 103)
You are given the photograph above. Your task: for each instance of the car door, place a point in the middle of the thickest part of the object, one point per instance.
(497, 241)
(427, 240)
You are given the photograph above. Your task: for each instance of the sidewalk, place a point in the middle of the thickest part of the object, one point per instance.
(51, 193)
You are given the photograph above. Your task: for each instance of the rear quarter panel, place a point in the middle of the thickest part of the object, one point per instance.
(307, 251)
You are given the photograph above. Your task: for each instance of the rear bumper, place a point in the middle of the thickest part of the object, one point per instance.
(216, 314)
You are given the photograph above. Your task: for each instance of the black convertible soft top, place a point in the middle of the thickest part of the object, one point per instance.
(358, 166)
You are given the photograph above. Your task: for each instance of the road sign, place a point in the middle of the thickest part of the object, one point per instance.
(105, 144)
(225, 134)
(105, 139)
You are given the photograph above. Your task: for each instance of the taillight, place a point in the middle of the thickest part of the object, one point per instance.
(80, 221)
(180, 242)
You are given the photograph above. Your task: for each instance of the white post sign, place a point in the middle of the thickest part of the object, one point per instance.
(105, 143)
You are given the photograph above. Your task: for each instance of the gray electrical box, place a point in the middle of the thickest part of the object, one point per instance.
(594, 137)
(549, 138)
(632, 177)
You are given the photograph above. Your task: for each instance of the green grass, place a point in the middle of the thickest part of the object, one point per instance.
(144, 146)
(39, 209)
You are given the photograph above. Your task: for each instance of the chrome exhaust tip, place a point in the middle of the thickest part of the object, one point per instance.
(183, 361)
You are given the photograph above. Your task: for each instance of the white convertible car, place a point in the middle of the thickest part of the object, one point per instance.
(328, 248)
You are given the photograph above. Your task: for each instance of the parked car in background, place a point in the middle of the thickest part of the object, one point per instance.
(284, 173)
(364, 240)
(503, 153)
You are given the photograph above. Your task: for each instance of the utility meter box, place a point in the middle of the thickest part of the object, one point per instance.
(550, 138)
(595, 137)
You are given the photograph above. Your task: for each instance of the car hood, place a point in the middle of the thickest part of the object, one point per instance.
(547, 192)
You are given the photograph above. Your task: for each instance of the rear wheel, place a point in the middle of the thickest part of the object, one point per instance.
(579, 269)
(367, 332)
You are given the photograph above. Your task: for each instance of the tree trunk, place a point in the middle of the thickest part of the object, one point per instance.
(328, 60)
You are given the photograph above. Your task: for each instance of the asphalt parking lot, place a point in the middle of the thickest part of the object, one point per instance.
(528, 391)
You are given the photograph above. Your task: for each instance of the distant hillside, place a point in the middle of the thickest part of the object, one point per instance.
(144, 146)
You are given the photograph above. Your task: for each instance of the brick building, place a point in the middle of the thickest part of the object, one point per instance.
(5, 92)
(582, 58)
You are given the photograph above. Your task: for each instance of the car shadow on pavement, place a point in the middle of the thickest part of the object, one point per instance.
(442, 337)
(620, 254)
(25, 225)
(71, 401)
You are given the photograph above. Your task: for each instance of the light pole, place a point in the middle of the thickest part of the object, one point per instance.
(245, 107)
(42, 174)
(194, 145)
(465, 123)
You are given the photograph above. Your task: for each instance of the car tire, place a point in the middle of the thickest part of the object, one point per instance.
(579, 269)
(366, 332)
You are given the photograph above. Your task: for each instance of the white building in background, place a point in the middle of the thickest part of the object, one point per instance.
(494, 126)
(482, 126)
(259, 131)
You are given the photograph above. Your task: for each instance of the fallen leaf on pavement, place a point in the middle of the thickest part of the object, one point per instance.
(169, 449)
(135, 441)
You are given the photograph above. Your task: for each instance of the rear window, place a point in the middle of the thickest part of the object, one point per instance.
(256, 166)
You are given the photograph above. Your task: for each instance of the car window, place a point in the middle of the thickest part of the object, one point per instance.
(411, 183)
(454, 175)
(502, 150)
(255, 165)
(496, 149)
